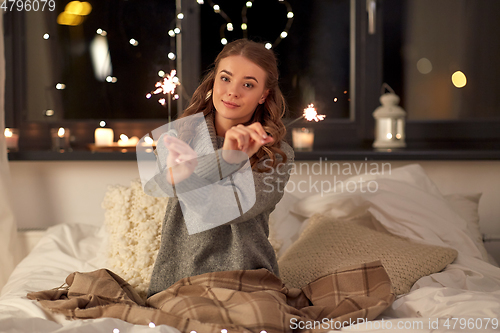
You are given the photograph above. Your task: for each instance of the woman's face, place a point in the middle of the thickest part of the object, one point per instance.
(238, 88)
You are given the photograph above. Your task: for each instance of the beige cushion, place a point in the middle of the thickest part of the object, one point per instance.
(328, 244)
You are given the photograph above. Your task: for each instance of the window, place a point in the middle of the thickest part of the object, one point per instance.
(329, 58)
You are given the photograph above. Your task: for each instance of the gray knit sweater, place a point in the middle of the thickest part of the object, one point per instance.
(240, 244)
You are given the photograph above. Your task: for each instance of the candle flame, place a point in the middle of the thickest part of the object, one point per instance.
(123, 137)
(311, 114)
(60, 132)
(7, 133)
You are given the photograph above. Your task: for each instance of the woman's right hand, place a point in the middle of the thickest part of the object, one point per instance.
(181, 159)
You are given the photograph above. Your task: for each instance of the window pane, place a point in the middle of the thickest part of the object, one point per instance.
(107, 61)
(441, 57)
(313, 58)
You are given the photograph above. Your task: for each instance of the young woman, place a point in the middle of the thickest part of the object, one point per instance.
(242, 106)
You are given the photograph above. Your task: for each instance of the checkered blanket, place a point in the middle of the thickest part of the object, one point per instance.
(237, 301)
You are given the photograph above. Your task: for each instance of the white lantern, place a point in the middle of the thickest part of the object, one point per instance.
(389, 123)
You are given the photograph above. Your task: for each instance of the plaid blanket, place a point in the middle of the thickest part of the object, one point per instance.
(237, 301)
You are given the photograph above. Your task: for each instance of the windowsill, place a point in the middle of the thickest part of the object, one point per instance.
(332, 154)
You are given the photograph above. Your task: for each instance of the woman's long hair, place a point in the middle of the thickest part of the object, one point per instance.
(269, 113)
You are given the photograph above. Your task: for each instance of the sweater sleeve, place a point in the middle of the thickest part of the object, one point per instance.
(234, 192)
(210, 169)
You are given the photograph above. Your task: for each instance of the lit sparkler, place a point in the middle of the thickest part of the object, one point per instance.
(309, 114)
(167, 87)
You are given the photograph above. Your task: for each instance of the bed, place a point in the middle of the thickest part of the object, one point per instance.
(455, 285)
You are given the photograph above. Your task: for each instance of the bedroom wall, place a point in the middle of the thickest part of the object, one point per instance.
(48, 193)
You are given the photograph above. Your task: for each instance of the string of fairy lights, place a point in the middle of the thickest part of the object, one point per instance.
(229, 25)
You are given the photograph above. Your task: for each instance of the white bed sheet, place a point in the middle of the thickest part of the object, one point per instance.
(68, 248)
(62, 250)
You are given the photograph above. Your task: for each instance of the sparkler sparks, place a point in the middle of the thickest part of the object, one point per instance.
(166, 86)
(309, 114)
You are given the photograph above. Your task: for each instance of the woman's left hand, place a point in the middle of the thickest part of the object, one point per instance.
(247, 139)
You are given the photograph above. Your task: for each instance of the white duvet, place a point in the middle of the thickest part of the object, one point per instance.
(63, 249)
(407, 204)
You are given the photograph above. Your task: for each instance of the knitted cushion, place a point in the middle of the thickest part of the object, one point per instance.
(133, 222)
(328, 244)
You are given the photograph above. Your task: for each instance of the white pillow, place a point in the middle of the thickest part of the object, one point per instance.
(406, 202)
(466, 205)
(284, 225)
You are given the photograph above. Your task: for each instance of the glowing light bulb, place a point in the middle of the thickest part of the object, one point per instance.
(389, 135)
(133, 42)
(60, 86)
(46, 36)
(102, 123)
(223, 41)
(249, 4)
(180, 16)
(230, 27)
(268, 46)
(283, 34)
(289, 14)
(216, 8)
(459, 79)
(171, 33)
(177, 30)
(152, 325)
(201, 2)
(161, 73)
(60, 132)
(171, 56)
(244, 26)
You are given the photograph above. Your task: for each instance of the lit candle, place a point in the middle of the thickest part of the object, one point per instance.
(60, 139)
(11, 138)
(103, 137)
(303, 138)
(123, 140)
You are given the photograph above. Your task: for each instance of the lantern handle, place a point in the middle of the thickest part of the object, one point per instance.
(386, 86)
